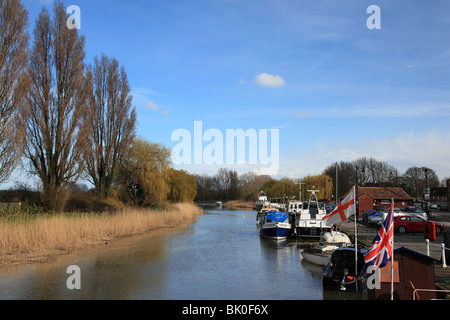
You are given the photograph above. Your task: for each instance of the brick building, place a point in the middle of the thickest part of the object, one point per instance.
(440, 195)
(376, 197)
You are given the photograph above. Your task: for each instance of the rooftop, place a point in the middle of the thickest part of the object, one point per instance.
(395, 193)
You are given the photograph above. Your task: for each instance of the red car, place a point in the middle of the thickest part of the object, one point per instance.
(407, 223)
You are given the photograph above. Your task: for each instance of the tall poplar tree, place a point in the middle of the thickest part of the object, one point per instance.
(13, 82)
(111, 123)
(56, 105)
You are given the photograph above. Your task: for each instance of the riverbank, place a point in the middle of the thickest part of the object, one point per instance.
(39, 238)
(240, 204)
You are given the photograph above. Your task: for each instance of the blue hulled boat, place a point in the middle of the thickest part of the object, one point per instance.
(276, 225)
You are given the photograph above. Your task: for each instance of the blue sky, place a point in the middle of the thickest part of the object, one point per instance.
(342, 91)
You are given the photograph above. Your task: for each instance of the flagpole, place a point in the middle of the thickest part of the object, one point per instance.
(356, 238)
(392, 250)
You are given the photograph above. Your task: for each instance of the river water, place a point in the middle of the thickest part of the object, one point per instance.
(219, 257)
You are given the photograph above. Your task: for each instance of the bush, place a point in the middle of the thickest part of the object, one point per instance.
(88, 202)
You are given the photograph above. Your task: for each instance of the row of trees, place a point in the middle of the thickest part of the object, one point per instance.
(370, 172)
(67, 120)
(333, 183)
(226, 185)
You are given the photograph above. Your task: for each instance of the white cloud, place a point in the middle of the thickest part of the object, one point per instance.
(143, 98)
(269, 80)
(151, 106)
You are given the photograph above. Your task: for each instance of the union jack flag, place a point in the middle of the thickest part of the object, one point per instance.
(381, 249)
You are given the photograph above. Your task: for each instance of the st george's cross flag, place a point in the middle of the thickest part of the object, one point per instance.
(381, 249)
(344, 209)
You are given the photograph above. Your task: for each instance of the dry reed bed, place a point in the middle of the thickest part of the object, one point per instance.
(37, 239)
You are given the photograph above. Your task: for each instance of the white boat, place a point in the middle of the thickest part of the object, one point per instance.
(219, 204)
(308, 221)
(275, 225)
(294, 207)
(321, 254)
(262, 201)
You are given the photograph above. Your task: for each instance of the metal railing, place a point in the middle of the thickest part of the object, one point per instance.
(444, 263)
(427, 290)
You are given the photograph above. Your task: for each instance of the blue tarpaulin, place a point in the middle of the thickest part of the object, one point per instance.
(277, 216)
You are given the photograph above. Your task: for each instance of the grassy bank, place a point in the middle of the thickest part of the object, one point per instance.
(37, 238)
(240, 204)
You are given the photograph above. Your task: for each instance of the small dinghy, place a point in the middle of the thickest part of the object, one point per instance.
(320, 254)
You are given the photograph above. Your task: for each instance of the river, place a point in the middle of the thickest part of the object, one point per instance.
(219, 257)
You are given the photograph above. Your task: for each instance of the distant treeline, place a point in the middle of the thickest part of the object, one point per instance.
(336, 179)
(144, 179)
(228, 185)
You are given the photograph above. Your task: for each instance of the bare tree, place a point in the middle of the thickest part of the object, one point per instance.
(111, 121)
(372, 172)
(56, 105)
(415, 179)
(250, 184)
(13, 83)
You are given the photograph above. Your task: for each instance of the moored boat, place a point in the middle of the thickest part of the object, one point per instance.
(294, 207)
(340, 272)
(275, 225)
(320, 254)
(262, 201)
(308, 220)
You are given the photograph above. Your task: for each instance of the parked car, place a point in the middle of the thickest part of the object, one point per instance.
(367, 213)
(433, 206)
(376, 218)
(408, 223)
(397, 212)
(413, 210)
(443, 207)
